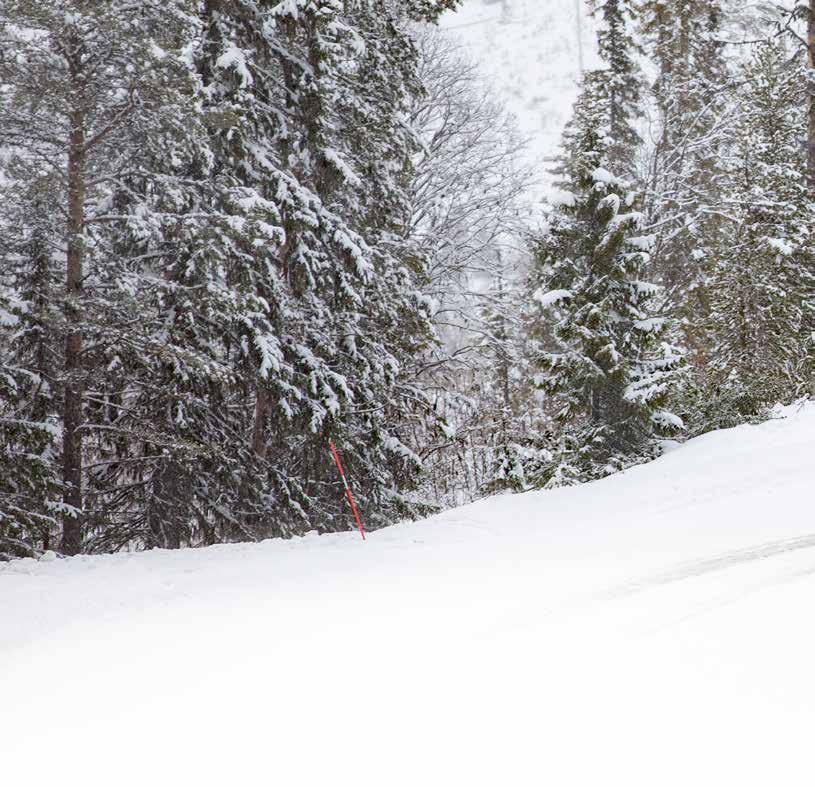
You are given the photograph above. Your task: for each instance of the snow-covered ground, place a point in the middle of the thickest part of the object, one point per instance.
(651, 629)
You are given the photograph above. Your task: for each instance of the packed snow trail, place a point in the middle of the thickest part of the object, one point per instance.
(651, 629)
(697, 568)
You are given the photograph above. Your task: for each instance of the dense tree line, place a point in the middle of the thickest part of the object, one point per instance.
(205, 268)
(234, 231)
(671, 291)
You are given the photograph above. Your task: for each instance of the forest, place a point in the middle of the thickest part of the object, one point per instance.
(234, 231)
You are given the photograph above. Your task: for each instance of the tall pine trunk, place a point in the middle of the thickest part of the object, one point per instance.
(72, 406)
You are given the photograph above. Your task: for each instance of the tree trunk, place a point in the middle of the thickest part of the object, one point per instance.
(72, 416)
(259, 428)
(212, 40)
(166, 513)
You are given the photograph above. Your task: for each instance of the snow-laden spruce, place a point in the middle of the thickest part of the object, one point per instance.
(240, 286)
(604, 360)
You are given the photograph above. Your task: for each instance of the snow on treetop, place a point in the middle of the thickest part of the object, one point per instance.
(781, 245)
(235, 58)
(602, 175)
(550, 298)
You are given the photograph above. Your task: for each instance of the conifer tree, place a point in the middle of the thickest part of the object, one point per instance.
(608, 369)
(624, 81)
(87, 84)
(351, 72)
(30, 351)
(763, 280)
(683, 40)
(285, 314)
(241, 282)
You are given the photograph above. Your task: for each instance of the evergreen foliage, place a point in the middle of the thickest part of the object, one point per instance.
(608, 368)
(684, 41)
(623, 82)
(763, 280)
(234, 231)
(90, 84)
(241, 283)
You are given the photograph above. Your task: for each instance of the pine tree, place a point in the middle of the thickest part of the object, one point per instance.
(85, 89)
(608, 369)
(763, 279)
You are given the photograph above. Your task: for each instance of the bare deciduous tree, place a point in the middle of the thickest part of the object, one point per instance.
(469, 217)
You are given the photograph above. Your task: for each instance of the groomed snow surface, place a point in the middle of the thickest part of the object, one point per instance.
(653, 629)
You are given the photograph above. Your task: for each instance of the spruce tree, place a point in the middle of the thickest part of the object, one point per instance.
(30, 352)
(242, 280)
(350, 73)
(624, 80)
(608, 369)
(238, 280)
(283, 311)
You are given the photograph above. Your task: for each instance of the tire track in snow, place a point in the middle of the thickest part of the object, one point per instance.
(698, 568)
(517, 617)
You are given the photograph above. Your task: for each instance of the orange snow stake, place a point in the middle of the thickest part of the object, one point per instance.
(348, 492)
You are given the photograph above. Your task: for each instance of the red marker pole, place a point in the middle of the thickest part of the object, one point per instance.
(348, 493)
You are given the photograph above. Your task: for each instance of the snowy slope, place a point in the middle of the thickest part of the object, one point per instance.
(654, 628)
(530, 52)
